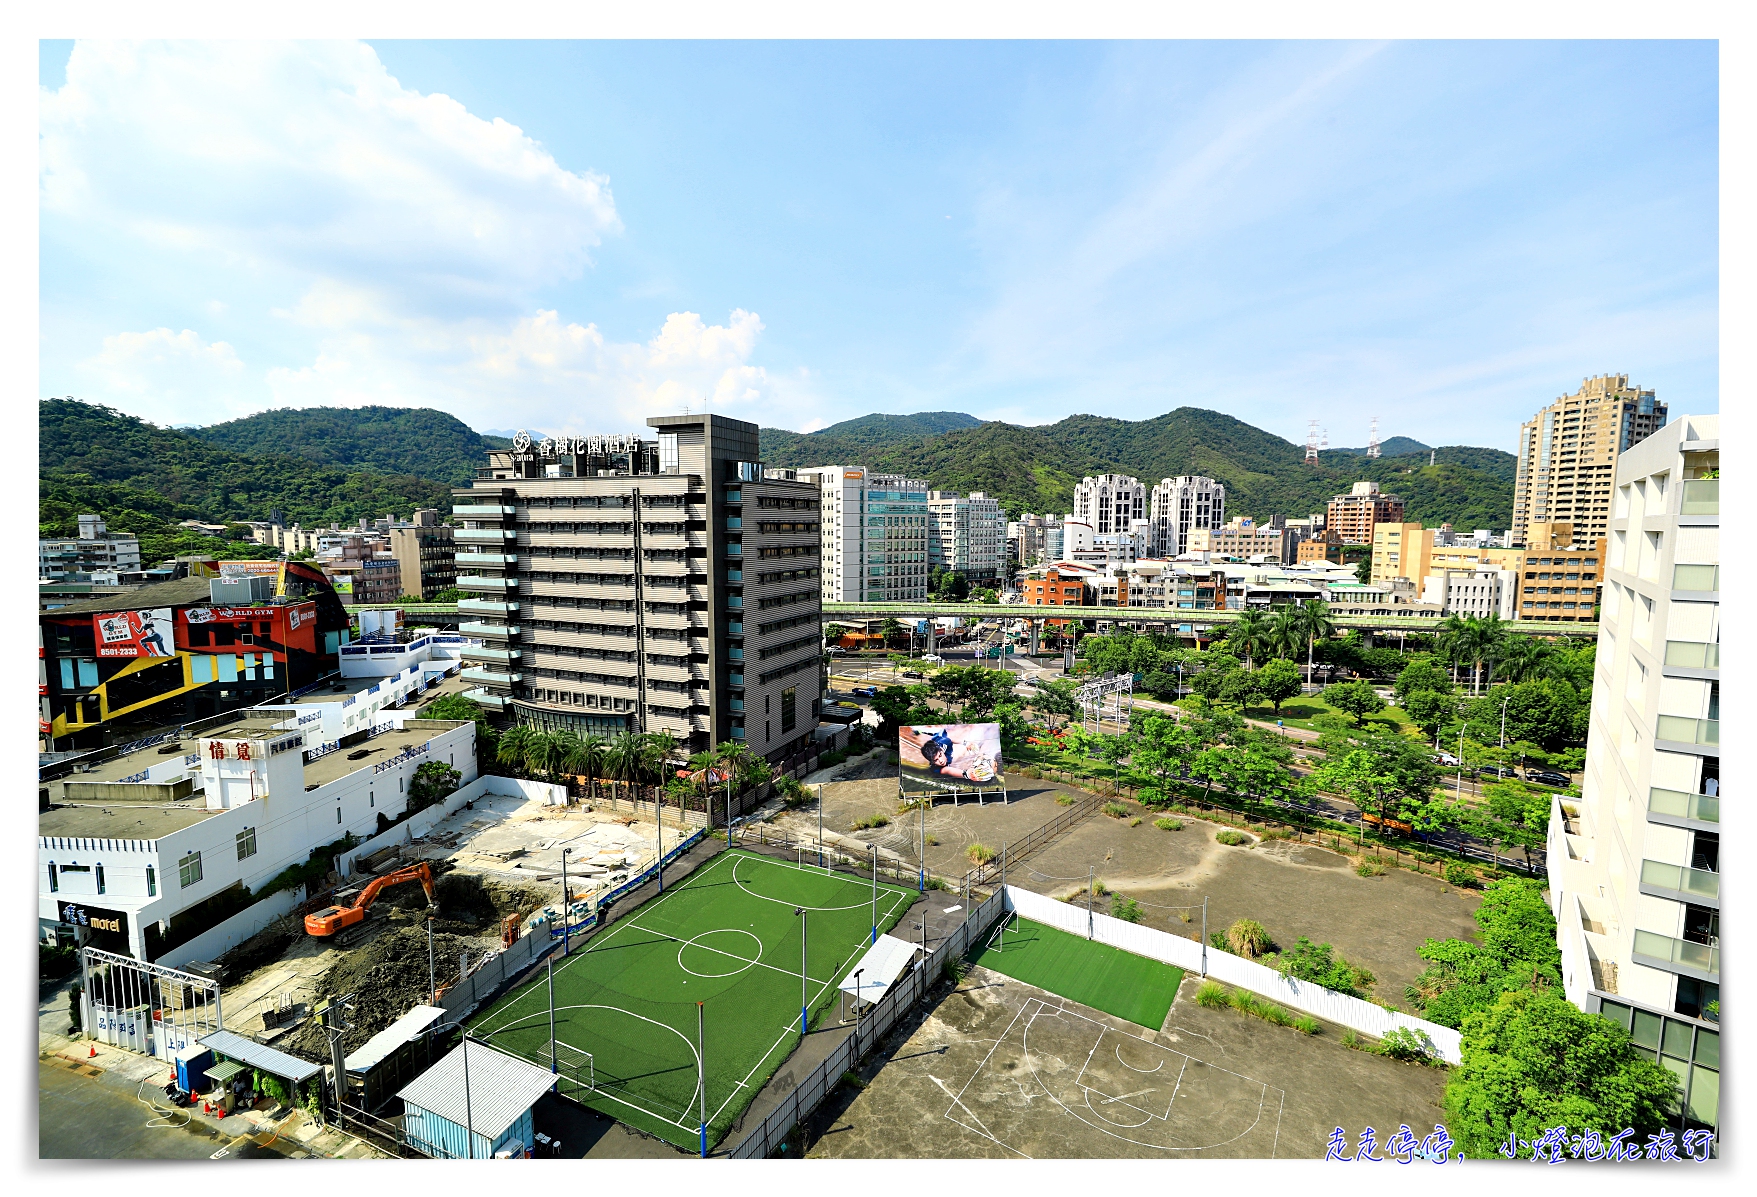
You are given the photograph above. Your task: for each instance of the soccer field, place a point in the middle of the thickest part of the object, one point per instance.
(727, 936)
(1093, 974)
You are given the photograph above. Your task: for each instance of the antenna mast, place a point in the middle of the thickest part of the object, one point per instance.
(1373, 439)
(1311, 442)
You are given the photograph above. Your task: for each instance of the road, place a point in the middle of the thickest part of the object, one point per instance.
(83, 1118)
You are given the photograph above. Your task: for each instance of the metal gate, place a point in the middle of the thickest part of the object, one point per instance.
(143, 1007)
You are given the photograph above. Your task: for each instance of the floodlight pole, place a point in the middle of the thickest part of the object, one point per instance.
(1089, 872)
(1204, 937)
(923, 799)
(804, 1000)
(874, 848)
(566, 906)
(660, 804)
(551, 973)
(701, 1064)
(820, 827)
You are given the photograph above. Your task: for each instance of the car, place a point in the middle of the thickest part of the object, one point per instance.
(1495, 772)
(1447, 759)
(865, 691)
(1545, 777)
(931, 659)
(914, 673)
(836, 651)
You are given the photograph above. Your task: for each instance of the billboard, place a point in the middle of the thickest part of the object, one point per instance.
(134, 633)
(951, 756)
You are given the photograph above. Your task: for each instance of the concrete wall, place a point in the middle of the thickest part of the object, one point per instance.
(128, 791)
(424, 821)
(216, 941)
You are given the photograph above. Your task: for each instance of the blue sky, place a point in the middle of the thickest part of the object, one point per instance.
(573, 236)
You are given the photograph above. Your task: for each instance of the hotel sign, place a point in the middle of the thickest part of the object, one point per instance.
(590, 446)
(113, 921)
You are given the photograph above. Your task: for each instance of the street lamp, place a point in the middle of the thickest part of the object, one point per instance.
(804, 1000)
(566, 906)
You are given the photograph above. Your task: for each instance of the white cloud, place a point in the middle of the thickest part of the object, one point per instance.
(165, 374)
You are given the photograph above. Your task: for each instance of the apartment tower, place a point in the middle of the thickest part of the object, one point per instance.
(874, 534)
(664, 584)
(1180, 506)
(1109, 503)
(1568, 455)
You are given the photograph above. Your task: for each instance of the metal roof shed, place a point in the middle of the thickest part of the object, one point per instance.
(496, 1107)
(235, 1047)
(393, 1057)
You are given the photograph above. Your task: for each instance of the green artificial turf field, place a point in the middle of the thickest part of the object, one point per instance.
(726, 936)
(1093, 974)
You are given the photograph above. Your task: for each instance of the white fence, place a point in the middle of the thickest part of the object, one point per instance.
(223, 937)
(424, 821)
(1188, 954)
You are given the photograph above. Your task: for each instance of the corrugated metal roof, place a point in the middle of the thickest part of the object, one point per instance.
(502, 1088)
(257, 1055)
(181, 592)
(883, 962)
(392, 1037)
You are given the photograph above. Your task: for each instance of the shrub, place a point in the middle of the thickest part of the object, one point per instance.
(1243, 1001)
(1401, 1043)
(1306, 1024)
(871, 823)
(1135, 822)
(1115, 810)
(979, 854)
(1247, 938)
(1275, 1014)
(1370, 868)
(1319, 964)
(1124, 909)
(1168, 824)
(1351, 1040)
(1232, 839)
(1064, 799)
(852, 1080)
(1462, 876)
(1099, 889)
(1211, 996)
(956, 969)
(932, 841)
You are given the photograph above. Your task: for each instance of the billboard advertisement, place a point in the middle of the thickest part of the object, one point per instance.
(134, 633)
(951, 756)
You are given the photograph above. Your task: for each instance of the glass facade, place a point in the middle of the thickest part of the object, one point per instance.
(1688, 1049)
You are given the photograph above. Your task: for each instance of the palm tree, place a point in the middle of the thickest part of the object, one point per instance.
(1316, 622)
(701, 766)
(1285, 633)
(1251, 632)
(1449, 641)
(1488, 639)
(622, 758)
(1522, 659)
(512, 747)
(543, 752)
(583, 755)
(660, 748)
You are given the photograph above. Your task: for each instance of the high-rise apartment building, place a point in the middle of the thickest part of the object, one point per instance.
(1568, 454)
(426, 557)
(1180, 506)
(1351, 518)
(1401, 550)
(1634, 863)
(1110, 502)
(874, 534)
(630, 584)
(967, 534)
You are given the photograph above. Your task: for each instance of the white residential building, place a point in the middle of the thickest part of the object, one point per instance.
(1634, 863)
(967, 534)
(1481, 592)
(874, 530)
(1180, 505)
(95, 550)
(249, 796)
(1109, 502)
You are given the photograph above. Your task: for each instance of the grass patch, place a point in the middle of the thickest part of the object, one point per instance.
(1370, 868)
(1168, 824)
(1065, 800)
(1232, 839)
(1135, 822)
(1117, 982)
(1211, 996)
(979, 854)
(1115, 810)
(872, 823)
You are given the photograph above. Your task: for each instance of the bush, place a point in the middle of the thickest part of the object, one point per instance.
(1064, 799)
(872, 823)
(979, 854)
(1370, 868)
(1124, 909)
(1247, 938)
(1401, 1043)
(956, 969)
(1168, 824)
(1115, 810)
(1099, 889)
(1306, 1024)
(1351, 1040)
(1319, 964)
(55, 961)
(1135, 822)
(1462, 876)
(1244, 1001)
(1211, 996)
(1232, 839)
(1275, 1014)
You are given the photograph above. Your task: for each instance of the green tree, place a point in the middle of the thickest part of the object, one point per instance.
(1286, 637)
(1533, 1061)
(1163, 750)
(1542, 711)
(1238, 688)
(1015, 730)
(890, 629)
(974, 688)
(1356, 698)
(1251, 633)
(1430, 710)
(456, 706)
(511, 749)
(1315, 624)
(1320, 964)
(953, 587)
(1055, 696)
(1515, 949)
(1420, 675)
(583, 756)
(1389, 776)
(432, 782)
(1277, 681)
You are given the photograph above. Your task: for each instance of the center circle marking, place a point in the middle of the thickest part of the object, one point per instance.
(720, 953)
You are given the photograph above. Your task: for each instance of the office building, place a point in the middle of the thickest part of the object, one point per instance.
(1351, 518)
(668, 584)
(1179, 507)
(426, 557)
(966, 534)
(1109, 502)
(1243, 538)
(1401, 550)
(1568, 454)
(1480, 592)
(96, 550)
(1634, 863)
(875, 534)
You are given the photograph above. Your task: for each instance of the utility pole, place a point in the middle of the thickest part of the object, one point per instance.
(1204, 937)
(550, 969)
(874, 849)
(432, 984)
(701, 1063)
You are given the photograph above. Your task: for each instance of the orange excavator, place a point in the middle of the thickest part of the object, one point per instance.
(348, 923)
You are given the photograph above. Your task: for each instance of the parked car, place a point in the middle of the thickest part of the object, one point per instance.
(865, 691)
(836, 650)
(1447, 759)
(1547, 777)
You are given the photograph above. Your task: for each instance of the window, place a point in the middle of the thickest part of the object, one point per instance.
(152, 881)
(54, 881)
(100, 878)
(788, 719)
(246, 843)
(338, 814)
(189, 870)
(371, 798)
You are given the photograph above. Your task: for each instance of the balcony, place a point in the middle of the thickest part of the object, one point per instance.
(1690, 654)
(491, 535)
(492, 677)
(735, 628)
(734, 523)
(492, 701)
(1696, 577)
(1680, 729)
(478, 652)
(492, 585)
(498, 630)
(487, 606)
(735, 550)
(1698, 960)
(1701, 497)
(488, 559)
(489, 511)
(735, 575)
(1680, 883)
(736, 679)
(1681, 809)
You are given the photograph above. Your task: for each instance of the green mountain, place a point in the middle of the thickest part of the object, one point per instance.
(1036, 469)
(418, 441)
(1397, 446)
(864, 434)
(143, 479)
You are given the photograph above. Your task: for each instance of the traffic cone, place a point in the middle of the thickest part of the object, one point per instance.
(94, 1053)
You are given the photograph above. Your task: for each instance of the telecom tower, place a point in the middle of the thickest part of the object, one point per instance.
(1312, 442)
(1373, 439)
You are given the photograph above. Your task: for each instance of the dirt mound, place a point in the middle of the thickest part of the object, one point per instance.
(386, 975)
(470, 897)
(265, 947)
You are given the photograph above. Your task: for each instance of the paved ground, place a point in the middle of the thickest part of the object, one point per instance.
(1001, 1069)
(80, 1117)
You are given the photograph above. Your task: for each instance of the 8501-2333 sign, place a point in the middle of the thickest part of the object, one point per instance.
(113, 921)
